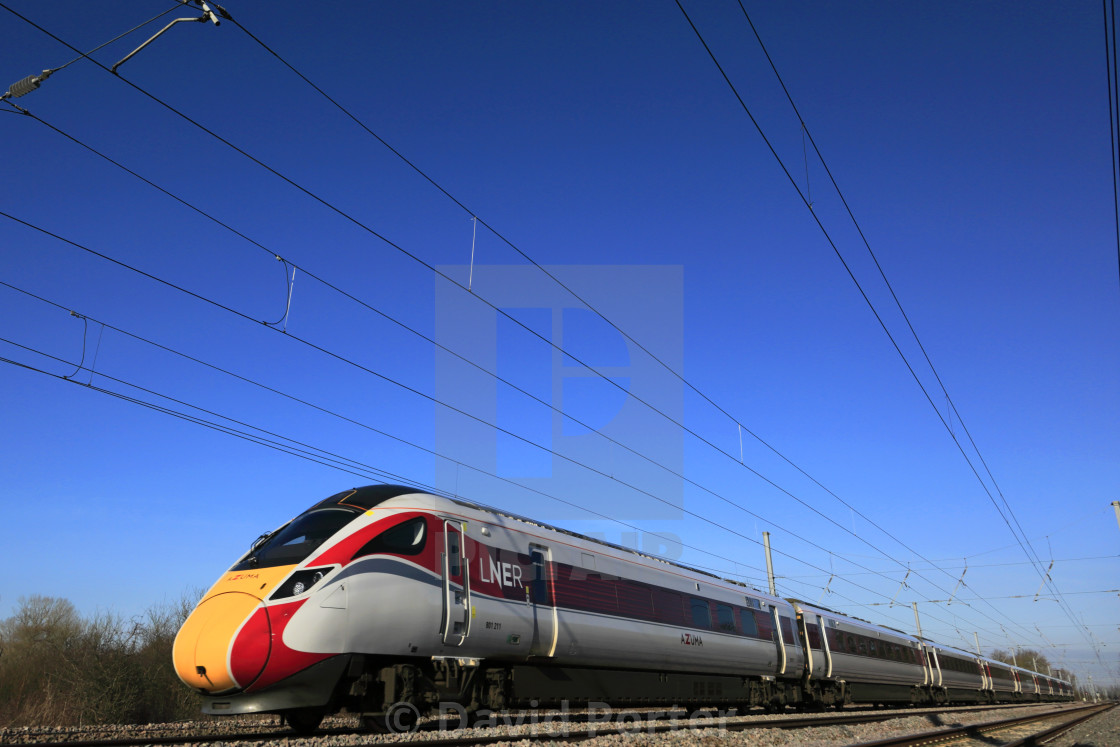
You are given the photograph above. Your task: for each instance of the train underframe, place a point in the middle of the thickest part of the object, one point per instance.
(392, 693)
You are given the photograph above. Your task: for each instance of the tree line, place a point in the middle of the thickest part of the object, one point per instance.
(62, 669)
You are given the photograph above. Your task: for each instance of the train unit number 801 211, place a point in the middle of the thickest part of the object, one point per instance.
(388, 602)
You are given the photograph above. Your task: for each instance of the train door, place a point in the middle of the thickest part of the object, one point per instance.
(811, 631)
(779, 639)
(825, 646)
(541, 597)
(456, 622)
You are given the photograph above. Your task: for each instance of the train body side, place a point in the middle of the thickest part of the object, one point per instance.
(385, 593)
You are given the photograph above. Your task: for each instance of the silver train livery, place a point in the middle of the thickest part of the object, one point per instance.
(386, 601)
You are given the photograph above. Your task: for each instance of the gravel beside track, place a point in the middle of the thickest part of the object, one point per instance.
(1103, 731)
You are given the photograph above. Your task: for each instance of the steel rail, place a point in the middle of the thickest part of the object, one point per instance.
(1056, 731)
(975, 731)
(556, 729)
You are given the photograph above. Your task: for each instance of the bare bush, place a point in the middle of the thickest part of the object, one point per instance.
(57, 668)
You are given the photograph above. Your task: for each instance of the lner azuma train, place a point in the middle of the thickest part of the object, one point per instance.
(386, 601)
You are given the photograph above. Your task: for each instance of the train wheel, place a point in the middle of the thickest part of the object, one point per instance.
(304, 720)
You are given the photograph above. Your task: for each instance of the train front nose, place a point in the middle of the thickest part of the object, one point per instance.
(225, 643)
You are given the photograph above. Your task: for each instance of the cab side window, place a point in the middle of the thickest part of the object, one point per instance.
(406, 538)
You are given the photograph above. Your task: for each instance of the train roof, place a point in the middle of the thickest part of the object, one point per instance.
(846, 616)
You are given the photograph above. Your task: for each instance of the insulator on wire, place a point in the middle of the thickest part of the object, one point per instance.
(28, 84)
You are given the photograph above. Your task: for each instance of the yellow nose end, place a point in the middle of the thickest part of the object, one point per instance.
(202, 647)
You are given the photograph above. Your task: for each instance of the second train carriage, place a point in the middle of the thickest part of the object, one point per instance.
(856, 661)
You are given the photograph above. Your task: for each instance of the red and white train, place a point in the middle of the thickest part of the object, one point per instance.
(385, 601)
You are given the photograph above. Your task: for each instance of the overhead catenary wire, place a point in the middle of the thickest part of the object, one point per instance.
(432, 341)
(517, 322)
(524, 255)
(581, 299)
(560, 349)
(487, 226)
(1028, 548)
(197, 296)
(352, 421)
(628, 337)
(882, 323)
(1004, 565)
(1112, 73)
(26, 85)
(271, 440)
(343, 359)
(361, 367)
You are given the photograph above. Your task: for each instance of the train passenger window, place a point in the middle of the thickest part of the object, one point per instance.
(746, 619)
(787, 632)
(850, 643)
(871, 648)
(668, 606)
(862, 642)
(701, 613)
(725, 618)
(406, 538)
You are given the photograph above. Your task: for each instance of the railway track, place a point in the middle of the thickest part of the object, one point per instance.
(1018, 731)
(576, 727)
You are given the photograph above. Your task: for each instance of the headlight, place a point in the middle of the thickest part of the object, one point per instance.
(300, 582)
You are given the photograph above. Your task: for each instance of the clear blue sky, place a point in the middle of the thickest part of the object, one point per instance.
(970, 141)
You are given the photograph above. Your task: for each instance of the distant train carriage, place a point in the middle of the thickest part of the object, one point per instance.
(1003, 682)
(955, 676)
(857, 662)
